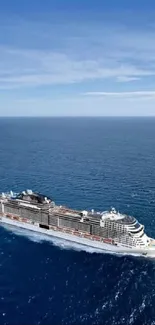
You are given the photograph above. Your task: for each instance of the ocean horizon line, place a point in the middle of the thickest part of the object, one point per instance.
(80, 116)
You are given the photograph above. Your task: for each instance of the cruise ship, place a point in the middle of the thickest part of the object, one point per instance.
(107, 230)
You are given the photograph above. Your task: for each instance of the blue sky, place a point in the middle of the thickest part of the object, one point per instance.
(77, 57)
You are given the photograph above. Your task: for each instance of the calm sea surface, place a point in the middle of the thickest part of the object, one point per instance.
(83, 163)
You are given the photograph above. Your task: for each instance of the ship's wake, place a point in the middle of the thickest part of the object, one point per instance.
(40, 238)
(61, 243)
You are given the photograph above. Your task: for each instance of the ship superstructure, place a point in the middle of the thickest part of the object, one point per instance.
(108, 230)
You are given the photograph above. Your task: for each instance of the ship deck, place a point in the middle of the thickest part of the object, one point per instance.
(63, 211)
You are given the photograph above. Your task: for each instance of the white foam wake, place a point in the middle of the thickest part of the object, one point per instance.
(40, 238)
(61, 243)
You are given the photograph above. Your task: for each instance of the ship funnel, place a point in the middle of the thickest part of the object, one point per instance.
(29, 192)
(85, 213)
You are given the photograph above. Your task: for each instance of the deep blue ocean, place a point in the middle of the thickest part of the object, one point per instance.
(84, 163)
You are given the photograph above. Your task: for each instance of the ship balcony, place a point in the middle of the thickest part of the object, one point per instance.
(137, 234)
(135, 229)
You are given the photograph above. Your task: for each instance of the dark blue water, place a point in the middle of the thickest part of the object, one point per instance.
(84, 163)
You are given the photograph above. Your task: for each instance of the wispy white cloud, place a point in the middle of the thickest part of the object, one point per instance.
(127, 94)
(53, 49)
(127, 78)
(26, 68)
(73, 53)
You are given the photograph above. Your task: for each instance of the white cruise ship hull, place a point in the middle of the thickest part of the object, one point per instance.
(150, 251)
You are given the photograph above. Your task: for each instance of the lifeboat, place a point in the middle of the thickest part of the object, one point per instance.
(15, 218)
(68, 231)
(98, 238)
(8, 215)
(76, 233)
(107, 241)
(87, 236)
(24, 220)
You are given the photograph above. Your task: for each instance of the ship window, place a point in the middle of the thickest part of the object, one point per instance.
(137, 225)
(137, 231)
